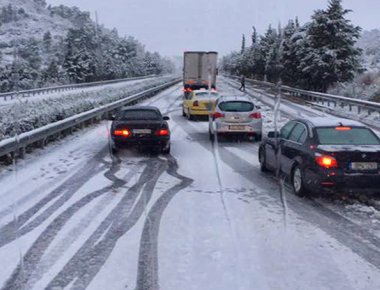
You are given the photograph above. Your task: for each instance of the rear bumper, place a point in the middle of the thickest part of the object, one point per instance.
(140, 142)
(254, 128)
(200, 112)
(331, 181)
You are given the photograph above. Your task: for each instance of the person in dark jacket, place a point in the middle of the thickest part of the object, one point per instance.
(242, 82)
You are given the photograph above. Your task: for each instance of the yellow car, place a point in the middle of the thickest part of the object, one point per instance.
(199, 103)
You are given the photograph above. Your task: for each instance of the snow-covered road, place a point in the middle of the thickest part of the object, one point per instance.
(73, 217)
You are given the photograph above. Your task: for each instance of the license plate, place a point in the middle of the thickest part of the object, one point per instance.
(142, 131)
(364, 165)
(237, 127)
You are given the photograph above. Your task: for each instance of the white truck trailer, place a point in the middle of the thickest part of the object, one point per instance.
(198, 68)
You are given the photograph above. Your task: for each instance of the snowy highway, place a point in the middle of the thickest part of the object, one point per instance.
(72, 216)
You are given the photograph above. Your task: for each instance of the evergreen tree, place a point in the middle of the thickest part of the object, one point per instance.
(333, 56)
(254, 36)
(242, 44)
(47, 40)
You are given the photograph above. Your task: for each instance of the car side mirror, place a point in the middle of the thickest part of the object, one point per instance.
(111, 118)
(273, 134)
(166, 118)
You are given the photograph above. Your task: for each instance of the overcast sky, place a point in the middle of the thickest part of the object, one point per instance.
(173, 26)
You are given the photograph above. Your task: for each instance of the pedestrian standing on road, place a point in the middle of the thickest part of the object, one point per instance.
(242, 82)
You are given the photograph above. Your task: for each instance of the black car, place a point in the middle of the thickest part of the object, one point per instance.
(324, 155)
(140, 126)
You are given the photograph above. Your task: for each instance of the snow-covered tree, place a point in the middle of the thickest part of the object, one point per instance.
(332, 55)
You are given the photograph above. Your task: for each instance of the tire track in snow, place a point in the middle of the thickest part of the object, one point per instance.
(50, 258)
(64, 192)
(89, 259)
(147, 275)
(23, 272)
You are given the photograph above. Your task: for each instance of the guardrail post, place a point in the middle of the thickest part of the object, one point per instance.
(359, 109)
(350, 107)
(342, 105)
(22, 152)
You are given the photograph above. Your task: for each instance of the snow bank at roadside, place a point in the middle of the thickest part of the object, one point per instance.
(27, 115)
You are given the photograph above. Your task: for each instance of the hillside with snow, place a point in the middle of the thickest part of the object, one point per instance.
(22, 19)
(43, 45)
(369, 42)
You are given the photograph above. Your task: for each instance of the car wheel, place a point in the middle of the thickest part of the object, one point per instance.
(262, 160)
(190, 117)
(166, 150)
(114, 150)
(211, 136)
(258, 137)
(297, 182)
(183, 112)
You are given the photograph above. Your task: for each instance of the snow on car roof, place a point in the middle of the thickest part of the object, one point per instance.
(332, 121)
(235, 98)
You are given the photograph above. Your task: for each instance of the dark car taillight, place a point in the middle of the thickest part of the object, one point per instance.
(326, 161)
(162, 132)
(122, 133)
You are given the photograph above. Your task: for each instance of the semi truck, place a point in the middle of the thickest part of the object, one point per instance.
(199, 67)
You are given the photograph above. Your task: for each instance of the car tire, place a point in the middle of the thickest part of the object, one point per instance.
(258, 137)
(114, 150)
(183, 112)
(165, 150)
(296, 179)
(211, 136)
(190, 117)
(262, 160)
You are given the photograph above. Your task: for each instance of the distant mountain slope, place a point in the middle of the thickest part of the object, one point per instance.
(22, 19)
(41, 45)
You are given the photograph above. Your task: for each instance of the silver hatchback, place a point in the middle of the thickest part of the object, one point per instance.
(236, 115)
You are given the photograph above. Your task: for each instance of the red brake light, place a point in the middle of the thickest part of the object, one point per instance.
(124, 133)
(195, 103)
(162, 132)
(218, 115)
(187, 90)
(256, 115)
(326, 161)
(342, 128)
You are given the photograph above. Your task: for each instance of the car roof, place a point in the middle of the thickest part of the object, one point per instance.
(330, 122)
(235, 98)
(204, 91)
(134, 108)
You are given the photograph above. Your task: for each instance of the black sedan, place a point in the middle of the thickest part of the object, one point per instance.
(324, 155)
(142, 127)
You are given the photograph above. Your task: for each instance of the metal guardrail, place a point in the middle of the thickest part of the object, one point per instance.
(321, 98)
(40, 135)
(33, 92)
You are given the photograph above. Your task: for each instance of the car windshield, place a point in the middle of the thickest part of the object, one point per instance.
(140, 115)
(236, 106)
(205, 95)
(164, 145)
(351, 136)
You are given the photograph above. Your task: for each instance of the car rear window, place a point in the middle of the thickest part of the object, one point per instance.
(140, 115)
(236, 106)
(354, 136)
(205, 95)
